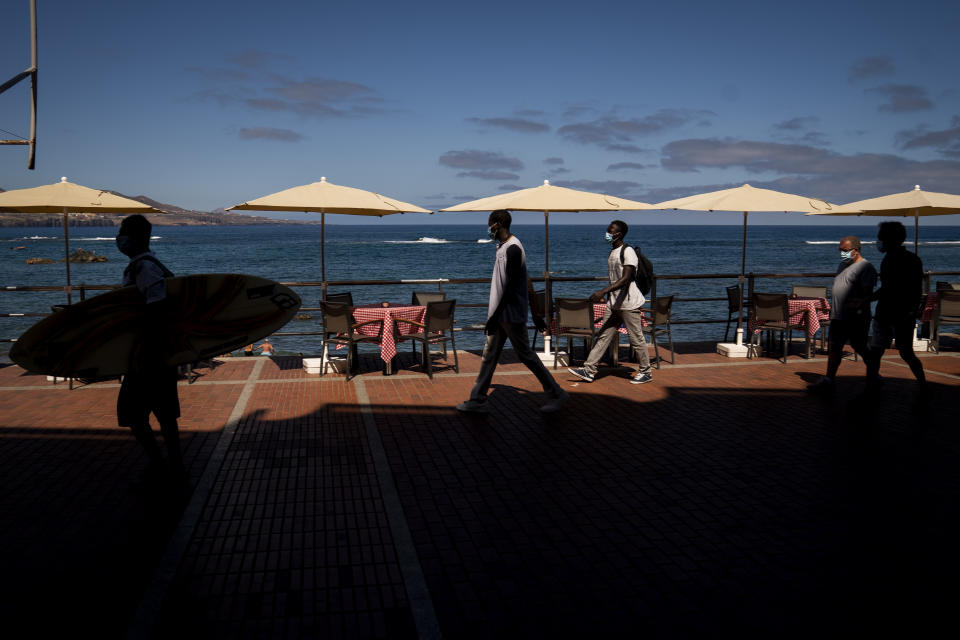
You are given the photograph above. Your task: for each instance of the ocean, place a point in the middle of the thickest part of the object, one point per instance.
(393, 252)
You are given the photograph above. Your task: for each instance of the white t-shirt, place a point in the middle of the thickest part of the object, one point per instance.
(628, 297)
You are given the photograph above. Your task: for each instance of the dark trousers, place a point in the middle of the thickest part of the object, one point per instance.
(517, 333)
(901, 330)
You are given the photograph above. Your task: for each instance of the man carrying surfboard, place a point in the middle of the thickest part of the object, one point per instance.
(150, 386)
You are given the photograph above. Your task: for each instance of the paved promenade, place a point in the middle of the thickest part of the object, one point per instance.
(721, 500)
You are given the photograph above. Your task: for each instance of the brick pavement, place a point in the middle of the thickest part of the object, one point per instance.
(720, 500)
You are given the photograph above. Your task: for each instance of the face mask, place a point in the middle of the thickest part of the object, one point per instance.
(491, 233)
(846, 256)
(608, 237)
(123, 243)
(880, 246)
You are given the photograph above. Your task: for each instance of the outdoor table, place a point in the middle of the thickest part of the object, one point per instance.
(806, 311)
(388, 347)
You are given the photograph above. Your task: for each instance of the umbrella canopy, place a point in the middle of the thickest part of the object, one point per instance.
(325, 197)
(66, 198)
(913, 203)
(746, 199)
(549, 198)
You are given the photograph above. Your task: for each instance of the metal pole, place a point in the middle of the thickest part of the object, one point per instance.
(66, 248)
(547, 286)
(323, 255)
(743, 270)
(916, 230)
(33, 83)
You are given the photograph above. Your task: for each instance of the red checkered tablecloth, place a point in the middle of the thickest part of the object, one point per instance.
(929, 306)
(388, 348)
(806, 310)
(599, 308)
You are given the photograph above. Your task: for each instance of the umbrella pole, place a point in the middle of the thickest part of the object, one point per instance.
(66, 249)
(323, 255)
(743, 271)
(916, 231)
(547, 288)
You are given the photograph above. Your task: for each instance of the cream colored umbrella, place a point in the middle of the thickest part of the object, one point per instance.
(325, 197)
(549, 198)
(913, 203)
(66, 198)
(746, 199)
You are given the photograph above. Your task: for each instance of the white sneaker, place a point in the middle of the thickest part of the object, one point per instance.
(641, 378)
(474, 406)
(582, 373)
(554, 404)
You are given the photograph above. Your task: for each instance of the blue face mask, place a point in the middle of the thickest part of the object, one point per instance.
(880, 246)
(608, 237)
(491, 233)
(846, 256)
(123, 243)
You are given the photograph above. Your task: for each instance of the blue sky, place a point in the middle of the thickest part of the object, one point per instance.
(204, 105)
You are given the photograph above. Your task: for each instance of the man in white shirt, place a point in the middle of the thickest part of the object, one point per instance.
(623, 307)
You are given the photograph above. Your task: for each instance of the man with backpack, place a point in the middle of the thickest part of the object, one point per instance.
(624, 268)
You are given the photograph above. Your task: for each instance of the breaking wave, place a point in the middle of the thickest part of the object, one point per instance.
(423, 240)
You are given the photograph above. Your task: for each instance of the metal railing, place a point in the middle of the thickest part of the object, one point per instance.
(660, 281)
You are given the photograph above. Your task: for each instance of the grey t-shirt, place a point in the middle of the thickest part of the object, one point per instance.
(628, 297)
(508, 286)
(853, 279)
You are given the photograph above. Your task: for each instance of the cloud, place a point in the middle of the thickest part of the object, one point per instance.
(627, 148)
(513, 124)
(318, 97)
(797, 124)
(474, 159)
(902, 98)
(810, 170)
(818, 138)
(269, 133)
(945, 141)
(253, 58)
(629, 165)
(871, 67)
(616, 133)
(509, 187)
(577, 111)
(559, 171)
(611, 187)
(553, 160)
(530, 113)
(488, 174)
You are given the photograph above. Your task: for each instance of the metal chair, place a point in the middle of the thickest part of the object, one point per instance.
(539, 302)
(733, 307)
(948, 312)
(947, 286)
(421, 299)
(344, 297)
(806, 291)
(436, 328)
(659, 324)
(574, 319)
(770, 313)
(339, 327)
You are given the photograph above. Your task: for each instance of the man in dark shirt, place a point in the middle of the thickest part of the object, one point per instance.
(510, 293)
(898, 299)
(149, 386)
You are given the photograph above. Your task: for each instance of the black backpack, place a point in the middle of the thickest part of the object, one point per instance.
(644, 274)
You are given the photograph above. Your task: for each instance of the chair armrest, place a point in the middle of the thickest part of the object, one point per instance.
(366, 322)
(413, 322)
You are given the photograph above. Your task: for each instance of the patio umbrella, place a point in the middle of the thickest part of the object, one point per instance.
(66, 198)
(325, 197)
(746, 199)
(913, 203)
(549, 198)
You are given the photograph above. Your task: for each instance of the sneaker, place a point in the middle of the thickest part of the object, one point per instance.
(641, 378)
(474, 406)
(583, 374)
(553, 405)
(823, 385)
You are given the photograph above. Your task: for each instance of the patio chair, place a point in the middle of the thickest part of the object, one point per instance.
(344, 297)
(770, 313)
(733, 307)
(947, 286)
(421, 299)
(436, 328)
(659, 324)
(574, 319)
(806, 291)
(340, 328)
(539, 302)
(948, 312)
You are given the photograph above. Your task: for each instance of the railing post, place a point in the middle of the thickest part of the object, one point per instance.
(926, 282)
(83, 292)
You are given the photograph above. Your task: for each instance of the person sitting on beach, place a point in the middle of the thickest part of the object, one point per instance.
(150, 386)
(623, 307)
(849, 310)
(266, 349)
(898, 300)
(511, 292)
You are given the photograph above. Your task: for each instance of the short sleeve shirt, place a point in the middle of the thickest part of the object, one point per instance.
(629, 297)
(853, 279)
(148, 276)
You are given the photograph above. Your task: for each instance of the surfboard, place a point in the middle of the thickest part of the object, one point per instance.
(206, 315)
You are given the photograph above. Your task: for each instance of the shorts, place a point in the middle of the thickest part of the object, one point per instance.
(853, 330)
(144, 393)
(902, 329)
